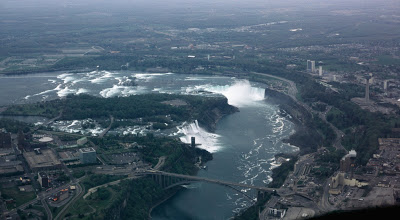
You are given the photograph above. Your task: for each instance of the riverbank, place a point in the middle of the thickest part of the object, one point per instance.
(301, 117)
(162, 201)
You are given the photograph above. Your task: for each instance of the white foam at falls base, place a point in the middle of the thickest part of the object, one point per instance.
(104, 77)
(208, 141)
(64, 75)
(82, 90)
(239, 94)
(66, 91)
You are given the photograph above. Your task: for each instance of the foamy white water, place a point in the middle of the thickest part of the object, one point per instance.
(239, 94)
(208, 141)
(148, 76)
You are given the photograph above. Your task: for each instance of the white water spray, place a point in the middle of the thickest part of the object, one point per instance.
(239, 94)
(208, 141)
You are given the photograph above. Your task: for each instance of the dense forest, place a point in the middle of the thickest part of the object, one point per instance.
(14, 126)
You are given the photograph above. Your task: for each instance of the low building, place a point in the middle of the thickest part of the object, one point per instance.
(279, 213)
(45, 139)
(6, 151)
(87, 155)
(42, 159)
(69, 155)
(9, 165)
(81, 141)
(384, 184)
(340, 180)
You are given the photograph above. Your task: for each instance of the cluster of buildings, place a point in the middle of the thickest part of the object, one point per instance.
(44, 158)
(386, 162)
(380, 176)
(345, 176)
(382, 92)
(311, 67)
(40, 157)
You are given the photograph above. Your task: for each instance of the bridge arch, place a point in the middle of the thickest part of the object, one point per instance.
(168, 180)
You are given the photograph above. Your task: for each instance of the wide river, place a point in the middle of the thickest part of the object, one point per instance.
(243, 145)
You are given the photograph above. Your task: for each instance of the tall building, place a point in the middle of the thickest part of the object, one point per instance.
(5, 139)
(87, 155)
(312, 66)
(367, 88)
(43, 180)
(320, 71)
(385, 85)
(193, 142)
(347, 162)
(308, 65)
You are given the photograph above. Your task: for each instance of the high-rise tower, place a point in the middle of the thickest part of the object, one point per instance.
(385, 85)
(367, 78)
(312, 66)
(308, 65)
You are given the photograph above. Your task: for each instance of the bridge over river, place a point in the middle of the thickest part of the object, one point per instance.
(169, 180)
(166, 182)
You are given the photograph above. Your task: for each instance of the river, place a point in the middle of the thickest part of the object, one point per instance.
(243, 145)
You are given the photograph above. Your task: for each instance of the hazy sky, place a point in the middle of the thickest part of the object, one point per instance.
(189, 3)
(40, 8)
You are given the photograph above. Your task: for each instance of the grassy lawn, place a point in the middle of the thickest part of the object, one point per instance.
(19, 197)
(92, 204)
(40, 209)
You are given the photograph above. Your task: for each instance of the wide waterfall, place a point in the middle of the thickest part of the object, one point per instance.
(239, 94)
(207, 141)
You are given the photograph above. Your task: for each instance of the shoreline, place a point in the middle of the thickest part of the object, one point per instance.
(296, 129)
(162, 201)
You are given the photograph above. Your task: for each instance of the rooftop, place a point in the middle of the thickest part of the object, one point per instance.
(46, 159)
(87, 150)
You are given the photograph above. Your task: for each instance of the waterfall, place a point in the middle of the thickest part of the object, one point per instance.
(239, 94)
(206, 140)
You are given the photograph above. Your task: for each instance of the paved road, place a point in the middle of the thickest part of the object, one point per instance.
(292, 92)
(324, 203)
(46, 207)
(79, 192)
(271, 203)
(160, 163)
(339, 134)
(108, 128)
(42, 196)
